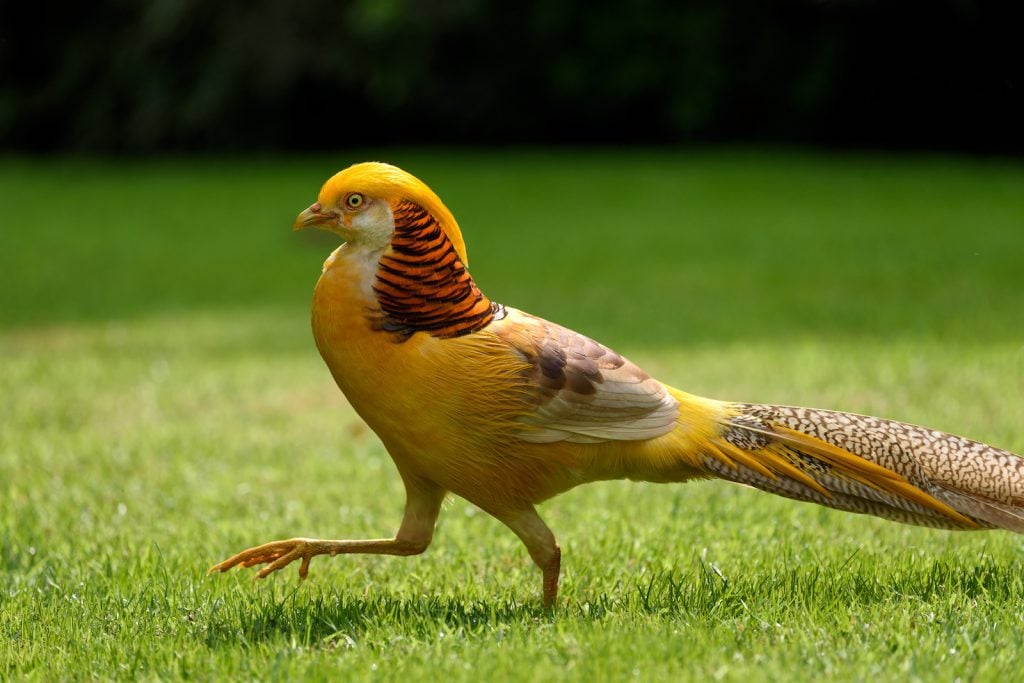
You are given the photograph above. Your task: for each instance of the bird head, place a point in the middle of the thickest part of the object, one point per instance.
(358, 205)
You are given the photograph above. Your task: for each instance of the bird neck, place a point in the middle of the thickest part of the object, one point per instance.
(422, 285)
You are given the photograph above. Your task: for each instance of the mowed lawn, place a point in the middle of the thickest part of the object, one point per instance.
(163, 406)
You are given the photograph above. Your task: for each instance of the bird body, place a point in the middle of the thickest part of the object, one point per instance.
(507, 410)
(475, 391)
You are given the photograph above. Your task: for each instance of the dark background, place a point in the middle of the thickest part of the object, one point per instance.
(177, 75)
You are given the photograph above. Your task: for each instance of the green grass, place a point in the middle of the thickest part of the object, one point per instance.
(164, 405)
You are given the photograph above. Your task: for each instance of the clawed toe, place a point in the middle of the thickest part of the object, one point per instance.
(276, 555)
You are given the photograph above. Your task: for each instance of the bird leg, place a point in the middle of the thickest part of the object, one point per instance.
(414, 535)
(541, 545)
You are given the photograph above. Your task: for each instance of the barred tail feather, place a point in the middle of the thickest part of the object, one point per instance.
(870, 465)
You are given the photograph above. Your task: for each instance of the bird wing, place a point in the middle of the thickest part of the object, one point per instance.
(581, 391)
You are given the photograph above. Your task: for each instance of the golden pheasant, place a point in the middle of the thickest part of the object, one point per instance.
(507, 410)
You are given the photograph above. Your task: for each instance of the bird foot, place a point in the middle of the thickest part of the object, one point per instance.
(276, 555)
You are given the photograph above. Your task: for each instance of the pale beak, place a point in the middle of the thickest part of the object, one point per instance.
(315, 217)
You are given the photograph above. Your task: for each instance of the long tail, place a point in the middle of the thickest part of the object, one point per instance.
(870, 465)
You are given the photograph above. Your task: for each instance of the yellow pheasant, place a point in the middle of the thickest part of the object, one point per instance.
(507, 410)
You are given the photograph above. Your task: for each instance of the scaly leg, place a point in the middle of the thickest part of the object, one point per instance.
(540, 543)
(422, 505)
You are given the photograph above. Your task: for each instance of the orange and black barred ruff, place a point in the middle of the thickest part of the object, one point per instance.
(422, 284)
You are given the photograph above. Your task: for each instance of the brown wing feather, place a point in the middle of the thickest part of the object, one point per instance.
(582, 391)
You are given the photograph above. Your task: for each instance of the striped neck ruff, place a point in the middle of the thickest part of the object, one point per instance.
(422, 285)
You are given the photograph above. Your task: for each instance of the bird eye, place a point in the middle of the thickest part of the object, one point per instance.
(354, 200)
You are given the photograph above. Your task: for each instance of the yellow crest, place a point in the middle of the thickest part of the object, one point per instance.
(392, 184)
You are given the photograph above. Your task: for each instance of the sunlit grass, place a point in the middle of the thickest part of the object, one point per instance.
(149, 429)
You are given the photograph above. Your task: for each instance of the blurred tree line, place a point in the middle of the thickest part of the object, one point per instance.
(131, 76)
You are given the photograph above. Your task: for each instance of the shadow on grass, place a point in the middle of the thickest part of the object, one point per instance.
(334, 619)
(700, 596)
